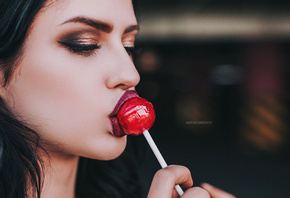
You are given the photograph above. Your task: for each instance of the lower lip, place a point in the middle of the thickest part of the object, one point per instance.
(117, 130)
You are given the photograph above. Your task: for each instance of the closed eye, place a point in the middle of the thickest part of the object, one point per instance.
(80, 48)
(132, 50)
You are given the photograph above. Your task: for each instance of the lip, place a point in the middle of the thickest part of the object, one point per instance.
(126, 96)
(117, 129)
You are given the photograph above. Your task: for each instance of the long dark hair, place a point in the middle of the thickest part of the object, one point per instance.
(20, 164)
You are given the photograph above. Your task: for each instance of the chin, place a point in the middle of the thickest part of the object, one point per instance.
(112, 157)
(110, 150)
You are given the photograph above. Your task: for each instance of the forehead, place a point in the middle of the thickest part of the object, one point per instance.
(116, 12)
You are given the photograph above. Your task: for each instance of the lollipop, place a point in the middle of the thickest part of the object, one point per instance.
(136, 116)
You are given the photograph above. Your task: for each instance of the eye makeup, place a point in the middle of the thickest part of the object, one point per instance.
(128, 41)
(132, 50)
(83, 43)
(87, 42)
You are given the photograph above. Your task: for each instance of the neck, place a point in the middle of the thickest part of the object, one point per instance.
(60, 176)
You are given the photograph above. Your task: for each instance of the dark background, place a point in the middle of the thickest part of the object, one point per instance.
(221, 98)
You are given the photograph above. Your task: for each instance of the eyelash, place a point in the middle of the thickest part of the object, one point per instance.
(132, 50)
(81, 49)
(89, 49)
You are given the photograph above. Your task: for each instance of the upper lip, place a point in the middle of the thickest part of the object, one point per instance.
(126, 96)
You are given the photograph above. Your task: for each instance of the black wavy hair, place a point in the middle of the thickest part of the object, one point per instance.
(20, 164)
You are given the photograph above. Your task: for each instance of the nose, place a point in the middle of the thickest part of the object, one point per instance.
(124, 74)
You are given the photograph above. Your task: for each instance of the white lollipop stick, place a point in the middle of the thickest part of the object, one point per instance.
(159, 157)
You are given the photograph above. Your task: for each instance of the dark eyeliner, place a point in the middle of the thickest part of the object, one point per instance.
(80, 48)
(132, 50)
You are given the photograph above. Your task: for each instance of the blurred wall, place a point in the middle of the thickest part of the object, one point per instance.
(217, 74)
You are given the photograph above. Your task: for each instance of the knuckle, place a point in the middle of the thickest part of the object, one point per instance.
(179, 168)
(186, 170)
(164, 174)
(173, 172)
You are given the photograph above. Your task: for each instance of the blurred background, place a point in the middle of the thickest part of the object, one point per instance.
(217, 73)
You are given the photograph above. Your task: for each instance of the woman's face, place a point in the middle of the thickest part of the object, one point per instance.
(74, 69)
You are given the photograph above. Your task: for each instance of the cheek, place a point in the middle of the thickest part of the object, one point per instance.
(60, 98)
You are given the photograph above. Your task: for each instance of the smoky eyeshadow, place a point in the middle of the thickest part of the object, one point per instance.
(82, 43)
(79, 37)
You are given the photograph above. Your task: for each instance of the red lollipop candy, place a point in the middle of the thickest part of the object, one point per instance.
(136, 115)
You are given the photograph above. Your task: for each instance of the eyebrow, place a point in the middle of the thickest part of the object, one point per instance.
(102, 26)
(131, 28)
(105, 27)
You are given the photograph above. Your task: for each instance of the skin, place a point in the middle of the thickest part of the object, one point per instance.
(66, 94)
(216, 192)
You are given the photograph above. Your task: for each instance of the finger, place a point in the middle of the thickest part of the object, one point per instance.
(216, 192)
(165, 179)
(175, 194)
(196, 192)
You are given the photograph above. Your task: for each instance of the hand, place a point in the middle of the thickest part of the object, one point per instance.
(165, 179)
(216, 192)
